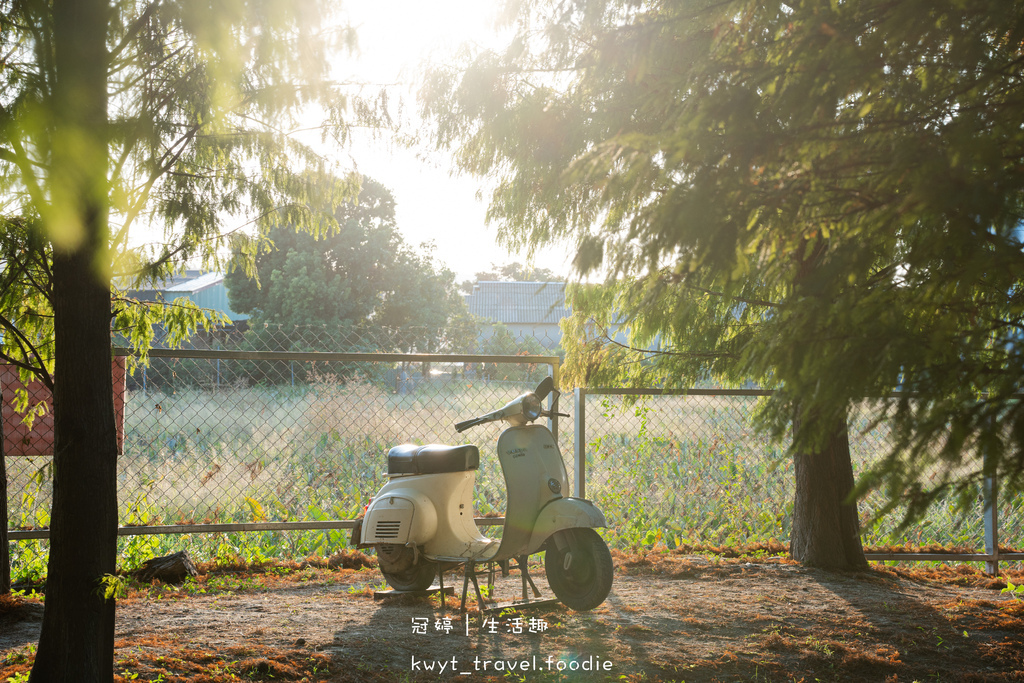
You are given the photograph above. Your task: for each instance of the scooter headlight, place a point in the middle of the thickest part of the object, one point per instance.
(531, 407)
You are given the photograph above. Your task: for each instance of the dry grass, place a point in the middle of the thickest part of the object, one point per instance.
(166, 659)
(671, 617)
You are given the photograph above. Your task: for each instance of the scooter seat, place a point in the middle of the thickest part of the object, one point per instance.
(432, 459)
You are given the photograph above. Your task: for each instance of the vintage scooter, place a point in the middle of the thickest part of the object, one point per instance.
(422, 518)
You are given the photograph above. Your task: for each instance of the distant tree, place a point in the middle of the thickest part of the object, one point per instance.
(823, 196)
(361, 279)
(511, 272)
(333, 278)
(501, 342)
(423, 306)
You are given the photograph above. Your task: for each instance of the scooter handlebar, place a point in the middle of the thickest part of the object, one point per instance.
(482, 419)
(466, 424)
(521, 410)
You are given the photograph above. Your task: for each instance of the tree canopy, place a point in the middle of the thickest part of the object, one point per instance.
(512, 272)
(822, 196)
(196, 140)
(361, 276)
(120, 115)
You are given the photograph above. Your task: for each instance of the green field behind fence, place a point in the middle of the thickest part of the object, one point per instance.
(665, 470)
(693, 470)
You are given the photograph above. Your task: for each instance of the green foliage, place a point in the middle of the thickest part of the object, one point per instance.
(195, 143)
(513, 272)
(334, 278)
(360, 276)
(111, 587)
(27, 313)
(501, 342)
(1014, 590)
(194, 118)
(691, 486)
(823, 197)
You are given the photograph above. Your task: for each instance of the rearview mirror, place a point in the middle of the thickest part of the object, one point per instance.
(544, 388)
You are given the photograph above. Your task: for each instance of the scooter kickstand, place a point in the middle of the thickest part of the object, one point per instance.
(522, 560)
(470, 574)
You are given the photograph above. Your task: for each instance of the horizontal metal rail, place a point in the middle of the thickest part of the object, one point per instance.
(613, 391)
(941, 557)
(216, 354)
(28, 534)
(673, 392)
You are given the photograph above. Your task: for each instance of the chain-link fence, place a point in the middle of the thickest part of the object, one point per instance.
(691, 469)
(224, 434)
(220, 434)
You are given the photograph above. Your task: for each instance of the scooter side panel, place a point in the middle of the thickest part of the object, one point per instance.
(399, 515)
(434, 511)
(457, 533)
(565, 513)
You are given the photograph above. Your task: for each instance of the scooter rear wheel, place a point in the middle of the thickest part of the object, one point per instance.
(403, 570)
(587, 580)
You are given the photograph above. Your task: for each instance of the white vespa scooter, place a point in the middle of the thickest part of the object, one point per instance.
(422, 518)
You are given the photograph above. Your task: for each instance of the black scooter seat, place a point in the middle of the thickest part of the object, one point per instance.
(432, 459)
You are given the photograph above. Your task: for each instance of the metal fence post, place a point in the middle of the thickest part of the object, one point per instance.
(579, 445)
(991, 497)
(553, 421)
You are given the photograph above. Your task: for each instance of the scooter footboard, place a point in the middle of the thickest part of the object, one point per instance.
(564, 513)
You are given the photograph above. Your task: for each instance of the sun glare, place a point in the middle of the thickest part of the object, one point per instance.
(395, 36)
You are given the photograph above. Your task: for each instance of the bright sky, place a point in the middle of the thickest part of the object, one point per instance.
(432, 206)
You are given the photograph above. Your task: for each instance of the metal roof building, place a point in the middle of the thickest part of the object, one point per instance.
(527, 309)
(207, 290)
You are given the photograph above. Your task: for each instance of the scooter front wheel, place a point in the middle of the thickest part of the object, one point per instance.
(580, 575)
(403, 569)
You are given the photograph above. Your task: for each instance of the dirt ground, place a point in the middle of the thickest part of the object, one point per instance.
(669, 617)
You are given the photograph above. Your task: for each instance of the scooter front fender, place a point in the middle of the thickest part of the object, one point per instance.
(564, 513)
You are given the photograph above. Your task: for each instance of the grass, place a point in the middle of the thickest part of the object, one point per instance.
(671, 471)
(691, 470)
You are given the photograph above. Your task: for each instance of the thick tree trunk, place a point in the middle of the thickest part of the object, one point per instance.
(77, 638)
(826, 529)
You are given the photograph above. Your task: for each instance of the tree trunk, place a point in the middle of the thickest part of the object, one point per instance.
(77, 638)
(826, 529)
